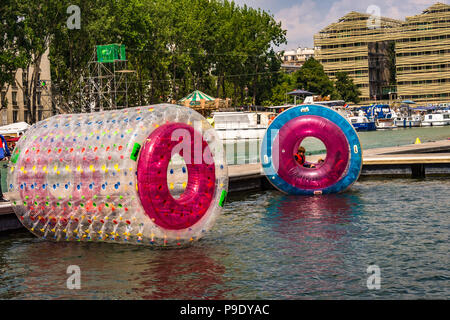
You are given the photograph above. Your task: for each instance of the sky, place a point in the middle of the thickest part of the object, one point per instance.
(303, 18)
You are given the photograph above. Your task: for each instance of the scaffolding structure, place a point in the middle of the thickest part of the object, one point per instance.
(417, 50)
(105, 86)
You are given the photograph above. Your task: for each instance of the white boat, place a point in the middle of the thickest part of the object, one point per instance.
(436, 119)
(407, 122)
(385, 123)
(361, 123)
(241, 125)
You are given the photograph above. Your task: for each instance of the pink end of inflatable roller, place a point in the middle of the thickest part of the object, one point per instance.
(156, 199)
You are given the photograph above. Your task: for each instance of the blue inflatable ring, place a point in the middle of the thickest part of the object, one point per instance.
(340, 169)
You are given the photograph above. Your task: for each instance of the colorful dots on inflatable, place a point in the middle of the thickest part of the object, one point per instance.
(152, 175)
(339, 170)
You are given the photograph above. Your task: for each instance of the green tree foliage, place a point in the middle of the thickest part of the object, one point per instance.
(12, 53)
(346, 89)
(174, 47)
(311, 77)
(278, 93)
(40, 19)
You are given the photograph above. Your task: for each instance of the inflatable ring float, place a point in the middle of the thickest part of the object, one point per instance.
(153, 175)
(339, 170)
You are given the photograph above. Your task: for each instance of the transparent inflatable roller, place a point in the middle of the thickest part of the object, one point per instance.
(153, 175)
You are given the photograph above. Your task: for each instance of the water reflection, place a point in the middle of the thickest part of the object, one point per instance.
(183, 274)
(319, 246)
(111, 271)
(317, 216)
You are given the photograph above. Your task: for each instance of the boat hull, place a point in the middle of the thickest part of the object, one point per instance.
(408, 123)
(385, 124)
(434, 123)
(369, 126)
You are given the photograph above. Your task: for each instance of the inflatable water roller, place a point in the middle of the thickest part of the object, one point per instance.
(154, 175)
(339, 170)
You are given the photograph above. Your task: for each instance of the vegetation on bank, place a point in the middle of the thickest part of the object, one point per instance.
(174, 46)
(311, 77)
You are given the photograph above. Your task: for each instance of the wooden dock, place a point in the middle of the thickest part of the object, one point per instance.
(8, 220)
(415, 161)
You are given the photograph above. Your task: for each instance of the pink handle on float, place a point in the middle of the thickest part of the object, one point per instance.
(158, 203)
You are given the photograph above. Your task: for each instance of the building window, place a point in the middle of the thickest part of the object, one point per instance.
(3, 102)
(14, 98)
(25, 79)
(26, 116)
(15, 113)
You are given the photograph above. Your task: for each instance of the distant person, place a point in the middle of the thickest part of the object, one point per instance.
(301, 158)
(4, 157)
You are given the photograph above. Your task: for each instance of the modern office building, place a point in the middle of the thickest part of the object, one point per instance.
(360, 46)
(391, 59)
(423, 56)
(15, 94)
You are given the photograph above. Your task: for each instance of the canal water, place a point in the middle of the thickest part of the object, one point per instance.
(265, 245)
(248, 151)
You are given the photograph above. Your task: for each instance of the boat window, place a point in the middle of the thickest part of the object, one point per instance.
(258, 118)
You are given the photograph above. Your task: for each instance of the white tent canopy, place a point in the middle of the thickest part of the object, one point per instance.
(14, 128)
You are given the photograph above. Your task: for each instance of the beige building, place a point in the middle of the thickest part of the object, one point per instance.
(423, 56)
(292, 60)
(15, 108)
(358, 45)
(390, 59)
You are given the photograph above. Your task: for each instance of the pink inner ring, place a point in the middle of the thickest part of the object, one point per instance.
(336, 162)
(158, 203)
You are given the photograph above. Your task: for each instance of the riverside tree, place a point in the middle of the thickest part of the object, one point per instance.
(174, 47)
(346, 89)
(311, 77)
(12, 50)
